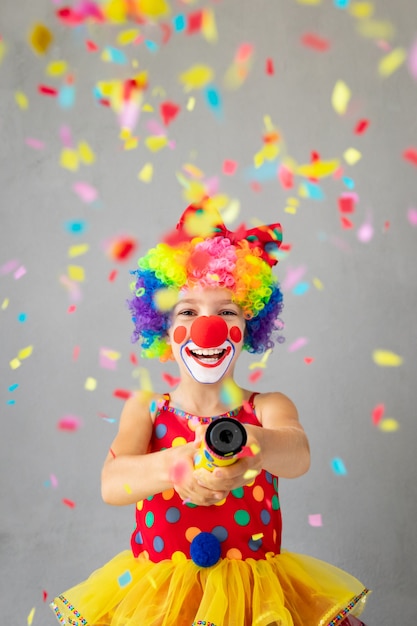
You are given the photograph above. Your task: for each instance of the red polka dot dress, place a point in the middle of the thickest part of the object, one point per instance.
(249, 582)
(247, 523)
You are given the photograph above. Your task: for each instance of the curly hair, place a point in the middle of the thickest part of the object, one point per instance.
(204, 262)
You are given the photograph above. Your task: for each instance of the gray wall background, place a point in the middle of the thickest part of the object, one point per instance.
(367, 301)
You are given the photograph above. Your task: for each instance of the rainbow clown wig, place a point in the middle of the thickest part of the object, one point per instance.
(201, 252)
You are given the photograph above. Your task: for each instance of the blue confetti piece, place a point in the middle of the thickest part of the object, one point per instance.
(341, 4)
(151, 45)
(22, 317)
(348, 182)
(125, 579)
(338, 467)
(115, 55)
(13, 387)
(179, 23)
(301, 288)
(213, 98)
(66, 96)
(11, 401)
(313, 190)
(76, 227)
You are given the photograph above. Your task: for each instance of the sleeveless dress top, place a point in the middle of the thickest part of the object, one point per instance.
(247, 523)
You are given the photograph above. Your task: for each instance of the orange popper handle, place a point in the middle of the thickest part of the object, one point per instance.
(224, 439)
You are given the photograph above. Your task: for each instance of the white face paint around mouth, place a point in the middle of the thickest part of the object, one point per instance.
(207, 365)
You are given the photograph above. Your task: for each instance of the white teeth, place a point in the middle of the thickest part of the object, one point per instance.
(208, 352)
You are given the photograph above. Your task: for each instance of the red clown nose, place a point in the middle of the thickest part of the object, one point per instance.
(209, 332)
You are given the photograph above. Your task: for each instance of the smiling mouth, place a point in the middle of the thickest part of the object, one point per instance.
(209, 357)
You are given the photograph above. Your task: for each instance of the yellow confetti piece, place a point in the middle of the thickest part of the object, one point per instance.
(254, 448)
(155, 9)
(340, 97)
(21, 100)
(195, 192)
(2, 50)
(24, 353)
(292, 210)
(208, 26)
(293, 201)
(391, 62)
(148, 108)
(113, 355)
(56, 68)
(318, 169)
(85, 153)
(231, 212)
(373, 29)
(197, 77)
(156, 142)
(127, 488)
(125, 37)
(257, 536)
(389, 425)
(31, 616)
(131, 143)
(361, 10)
(146, 173)
(40, 38)
(69, 159)
(78, 250)
(165, 299)
(145, 381)
(386, 358)
(310, 2)
(5, 304)
(352, 156)
(249, 474)
(318, 284)
(190, 104)
(193, 170)
(76, 272)
(258, 159)
(90, 384)
(14, 364)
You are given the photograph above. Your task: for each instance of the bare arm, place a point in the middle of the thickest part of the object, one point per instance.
(131, 473)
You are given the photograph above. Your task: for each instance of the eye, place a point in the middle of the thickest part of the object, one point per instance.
(228, 312)
(186, 312)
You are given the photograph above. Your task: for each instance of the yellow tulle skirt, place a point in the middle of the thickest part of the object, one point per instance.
(284, 590)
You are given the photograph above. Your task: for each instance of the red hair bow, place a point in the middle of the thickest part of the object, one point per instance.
(267, 238)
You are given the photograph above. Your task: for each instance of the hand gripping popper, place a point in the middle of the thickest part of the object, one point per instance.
(224, 440)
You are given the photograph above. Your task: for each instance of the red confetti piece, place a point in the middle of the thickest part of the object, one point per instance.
(166, 32)
(123, 248)
(91, 46)
(387, 224)
(270, 67)
(346, 223)
(229, 167)
(194, 22)
(285, 177)
(72, 308)
(169, 111)
(410, 155)
(377, 414)
(254, 376)
(255, 186)
(47, 91)
(112, 275)
(178, 472)
(346, 204)
(308, 360)
(44, 595)
(123, 394)
(75, 353)
(133, 358)
(171, 380)
(68, 503)
(104, 102)
(68, 16)
(361, 127)
(310, 40)
(285, 247)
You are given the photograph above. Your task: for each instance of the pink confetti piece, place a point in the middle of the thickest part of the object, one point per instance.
(412, 60)
(171, 380)
(308, 360)
(69, 423)
(75, 353)
(178, 472)
(255, 376)
(9, 267)
(229, 167)
(66, 136)
(297, 344)
(412, 216)
(85, 192)
(311, 40)
(53, 480)
(21, 271)
(315, 520)
(292, 277)
(36, 144)
(72, 308)
(365, 232)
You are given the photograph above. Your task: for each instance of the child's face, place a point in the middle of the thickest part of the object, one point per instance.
(206, 333)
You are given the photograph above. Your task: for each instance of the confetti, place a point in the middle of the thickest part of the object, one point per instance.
(391, 62)
(196, 77)
(31, 616)
(352, 156)
(412, 60)
(412, 216)
(40, 38)
(377, 414)
(122, 394)
(76, 273)
(90, 384)
(21, 100)
(315, 520)
(297, 344)
(340, 97)
(125, 579)
(386, 358)
(169, 111)
(171, 380)
(361, 127)
(86, 192)
(269, 67)
(146, 173)
(229, 167)
(338, 467)
(69, 423)
(410, 155)
(78, 250)
(25, 353)
(389, 425)
(311, 40)
(165, 298)
(69, 503)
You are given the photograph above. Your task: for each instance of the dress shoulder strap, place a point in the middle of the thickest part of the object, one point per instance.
(251, 400)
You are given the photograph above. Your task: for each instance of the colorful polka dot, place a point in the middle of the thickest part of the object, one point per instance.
(139, 505)
(149, 519)
(160, 431)
(275, 503)
(220, 532)
(192, 532)
(234, 553)
(238, 493)
(173, 515)
(178, 441)
(255, 544)
(158, 544)
(258, 493)
(268, 477)
(265, 516)
(138, 538)
(168, 494)
(178, 557)
(242, 517)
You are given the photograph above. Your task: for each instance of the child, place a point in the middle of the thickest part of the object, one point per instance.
(206, 547)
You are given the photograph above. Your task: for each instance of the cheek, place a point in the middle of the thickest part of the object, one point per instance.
(179, 334)
(235, 334)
